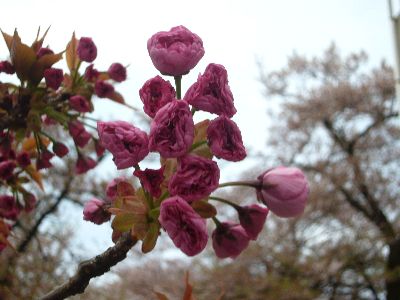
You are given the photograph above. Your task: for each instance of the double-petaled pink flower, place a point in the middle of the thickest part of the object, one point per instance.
(184, 226)
(151, 180)
(175, 52)
(195, 178)
(127, 143)
(172, 130)
(284, 191)
(211, 92)
(225, 139)
(155, 93)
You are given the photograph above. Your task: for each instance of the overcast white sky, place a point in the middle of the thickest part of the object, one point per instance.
(234, 33)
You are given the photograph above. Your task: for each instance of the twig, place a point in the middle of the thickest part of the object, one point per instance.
(94, 267)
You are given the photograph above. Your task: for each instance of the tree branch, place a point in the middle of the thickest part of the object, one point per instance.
(91, 268)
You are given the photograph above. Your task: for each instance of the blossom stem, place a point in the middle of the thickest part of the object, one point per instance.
(253, 184)
(216, 221)
(224, 201)
(178, 86)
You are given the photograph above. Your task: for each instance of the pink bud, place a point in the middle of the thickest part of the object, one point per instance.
(252, 218)
(91, 73)
(229, 240)
(284, 191)
(23, 159)
(79, 103)
(30, 202)
(117, 72)
(8, 207)
(6, 67)
(103, 89)
(84, 164)
(111, 189)
(43, 162)
(6, 169)
(53, 77)
(87, 50)
(78, 132)
(94, 211)
(43, 51)
(60, 149)
(151, 180)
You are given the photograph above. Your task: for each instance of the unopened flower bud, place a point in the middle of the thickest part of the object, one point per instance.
(284, 191)
(94, 211)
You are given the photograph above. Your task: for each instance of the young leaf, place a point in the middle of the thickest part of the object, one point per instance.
(37, 44)
(71, 55)
(117, 97)
(150, 240)
(8, 39)
(125, 189)
(204, 209)
(35, 175)
(123, 222)
(22, 57)
(43, 63)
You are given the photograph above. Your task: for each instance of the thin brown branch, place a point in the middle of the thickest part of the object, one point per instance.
(91, 268)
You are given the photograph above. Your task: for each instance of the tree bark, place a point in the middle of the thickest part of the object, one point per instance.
(393, 271)
(94, 267)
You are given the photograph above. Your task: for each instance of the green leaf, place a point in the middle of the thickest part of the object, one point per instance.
(150, 240)
(123, 222)
(204, 209)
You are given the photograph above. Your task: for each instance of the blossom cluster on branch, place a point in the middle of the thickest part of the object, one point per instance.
(45, 101)
(176, 197)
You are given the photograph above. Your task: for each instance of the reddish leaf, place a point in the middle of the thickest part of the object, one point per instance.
(117, 97)
(204, 209)
(43, 63)
(37, 44)
(125, 189)
(71, 55)
(8, 39)
(35, 175)
(22, 57)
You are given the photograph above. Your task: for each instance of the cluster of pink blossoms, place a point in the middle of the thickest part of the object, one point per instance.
(47, 96)
(177, 194)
